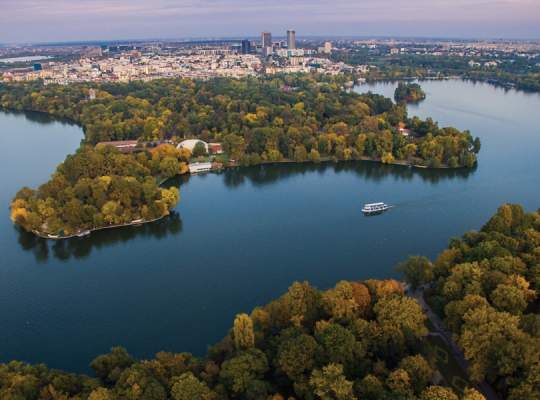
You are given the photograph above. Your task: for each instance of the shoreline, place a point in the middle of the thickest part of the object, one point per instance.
(402, 163)
(85, 233)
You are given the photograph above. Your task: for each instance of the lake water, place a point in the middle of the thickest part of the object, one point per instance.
(240, 238)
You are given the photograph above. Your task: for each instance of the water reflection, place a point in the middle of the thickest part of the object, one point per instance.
(39, 117)
(268, 174)
(79, 248)
(261, 175)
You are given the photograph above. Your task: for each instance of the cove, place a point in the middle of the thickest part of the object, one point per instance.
(239, 238)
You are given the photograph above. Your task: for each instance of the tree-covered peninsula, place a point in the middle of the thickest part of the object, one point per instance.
(266, 119)
(409, 93)
(258, 120)
(100, 187)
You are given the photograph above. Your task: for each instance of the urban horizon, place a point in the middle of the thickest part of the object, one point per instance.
(282, 36)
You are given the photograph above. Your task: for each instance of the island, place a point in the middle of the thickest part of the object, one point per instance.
(409, 93)
(372, 339)
(255, 120)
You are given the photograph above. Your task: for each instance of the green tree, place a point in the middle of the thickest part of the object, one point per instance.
(419, 371)
(300, 153)
(243, 370)
(399, 384)
(331, 384)
(296, 356)
(101, 394)
(109, 367)
(339, 302)
(417, 271)
(314, 156)
(492, 342)
(438, 393)
(199, 149)
(403, 313)
(188, 387)
(370, 388)
(169, 167)
(509, 298)
(472, 394)
(338, 344)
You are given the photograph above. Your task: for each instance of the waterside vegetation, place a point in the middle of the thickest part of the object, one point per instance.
(292, 118)
(358, 340)
(100, 187)
(486, 287)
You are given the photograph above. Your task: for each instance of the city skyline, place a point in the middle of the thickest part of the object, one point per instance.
(86, 20)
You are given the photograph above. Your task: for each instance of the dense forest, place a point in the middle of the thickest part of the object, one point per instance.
(289, 118)
(266, 119)
(99, 187)
(358, 340)
(486, 286)
(409, 93)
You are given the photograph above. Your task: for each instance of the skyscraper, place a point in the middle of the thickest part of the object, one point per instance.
(266, 43)
(291, 39)
(246, 47)
(266, 39)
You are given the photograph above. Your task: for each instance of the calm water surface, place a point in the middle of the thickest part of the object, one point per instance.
(240, 238)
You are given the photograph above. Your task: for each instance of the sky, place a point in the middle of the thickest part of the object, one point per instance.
(77, 20)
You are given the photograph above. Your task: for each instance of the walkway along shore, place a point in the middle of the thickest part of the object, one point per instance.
(485, 388)
(87, 232)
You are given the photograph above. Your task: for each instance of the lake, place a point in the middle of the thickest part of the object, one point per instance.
(238, 239)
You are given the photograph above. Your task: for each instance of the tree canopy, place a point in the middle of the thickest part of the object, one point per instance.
(486, 285)
(357, 340)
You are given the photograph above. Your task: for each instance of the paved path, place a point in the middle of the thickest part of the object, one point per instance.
(458, 355)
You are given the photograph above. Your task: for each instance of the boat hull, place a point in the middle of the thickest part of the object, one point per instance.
(369, 212)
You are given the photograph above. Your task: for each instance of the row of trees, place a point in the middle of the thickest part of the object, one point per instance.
(265, 119)
(486, 285)
(358, 340)
(99, 187)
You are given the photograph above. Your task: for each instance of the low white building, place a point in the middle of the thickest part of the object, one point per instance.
(200, 167)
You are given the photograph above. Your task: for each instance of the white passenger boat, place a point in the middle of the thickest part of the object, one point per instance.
(375, 208)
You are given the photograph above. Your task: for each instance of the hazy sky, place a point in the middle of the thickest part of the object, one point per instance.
(62, 20)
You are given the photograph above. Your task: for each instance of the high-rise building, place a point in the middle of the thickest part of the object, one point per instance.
(246, 47)
(266, 43)
(266, 39)
(291, 39)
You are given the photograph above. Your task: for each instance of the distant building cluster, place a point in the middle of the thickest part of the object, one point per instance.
(150, 61)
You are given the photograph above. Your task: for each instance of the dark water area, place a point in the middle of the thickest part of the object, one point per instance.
(240, 238)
